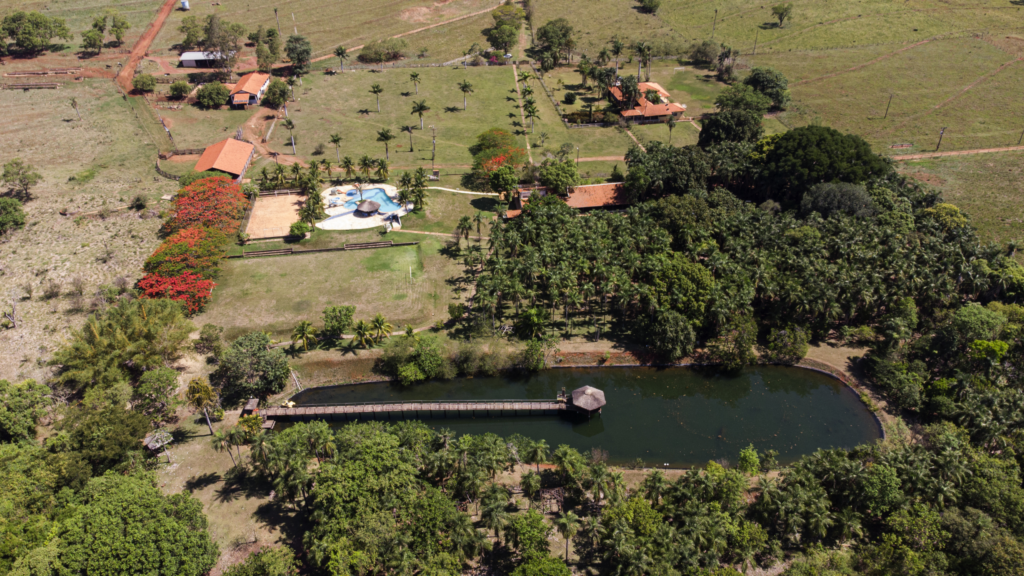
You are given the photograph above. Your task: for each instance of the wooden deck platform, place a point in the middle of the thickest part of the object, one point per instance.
(344, 411)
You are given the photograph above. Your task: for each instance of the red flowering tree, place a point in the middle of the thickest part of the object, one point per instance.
(191, 289)
(216, 203)
(197, 250)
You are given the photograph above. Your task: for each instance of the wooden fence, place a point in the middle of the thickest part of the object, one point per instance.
(161, 172)
(291, 251)
(52, 72)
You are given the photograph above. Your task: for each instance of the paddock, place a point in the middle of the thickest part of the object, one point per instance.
(272, 216)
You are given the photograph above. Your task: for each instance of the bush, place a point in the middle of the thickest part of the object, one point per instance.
(276, 94)
(216, 203)
(180, 90)
(786, 345)
(144, 83)
(139, 202)
(733, 347)
(249, 369)
(268, 561)
(12, 216)
(188, 288)
(209, 341)
(299, 229)
(337, 320)
(650, 6)
(192, 176)
(706, 53)
(771, 83)
(197, 250)
(213, 95)
(570, 98)
(831, 197)
(380, 51)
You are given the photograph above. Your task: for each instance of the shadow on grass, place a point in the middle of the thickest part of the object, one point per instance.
(284, 516)
(485, 204)
(202, 481)
(449, 109)
(182, 435)
(242, 482)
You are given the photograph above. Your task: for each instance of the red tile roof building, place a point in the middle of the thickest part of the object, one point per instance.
(612, 195)
(644, 109)
(230, 156)
(249, 89)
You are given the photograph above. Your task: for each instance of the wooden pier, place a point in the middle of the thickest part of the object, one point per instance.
(413, 409)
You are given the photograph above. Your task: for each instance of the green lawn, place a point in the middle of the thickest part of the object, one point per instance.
(344, 105)
(445, 209)
(988, 187)
(194, 127)
(274, 294)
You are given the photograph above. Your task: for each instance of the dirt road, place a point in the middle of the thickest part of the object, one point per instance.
(124, 78)
(957, 153)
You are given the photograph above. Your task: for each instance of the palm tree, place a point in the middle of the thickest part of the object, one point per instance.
(383, 171)
(463, 228)
(495, 518)
(289, 125)
(74, 104)
(415, 78)
(342, 55)
(336, 140)
(530, 111)
(201, 396)
(409, 129)
(381, 327)
(237, 437)
(363, 334)
(530, 483)
(386, 136)
(377, 91)
(567, 524)
(466, 88)
(671, 124)
(305, 333)
(279, 174)
(538, 453)
(221, 442)
(478, 219)
(420, 108)
(616, 50)
(261, 450)
(348, 166)
(366, 164)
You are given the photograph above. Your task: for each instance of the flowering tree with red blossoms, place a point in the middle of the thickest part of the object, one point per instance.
(196, 250)
(216, 203)
(191, 289)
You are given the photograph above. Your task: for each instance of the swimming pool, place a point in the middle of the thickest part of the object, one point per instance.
(377, 195)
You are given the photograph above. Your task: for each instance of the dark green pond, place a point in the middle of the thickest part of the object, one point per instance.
(674, 416)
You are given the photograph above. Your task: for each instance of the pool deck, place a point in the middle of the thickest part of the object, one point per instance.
(341, 218)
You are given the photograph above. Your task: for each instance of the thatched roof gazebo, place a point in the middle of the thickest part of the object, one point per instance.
(368, 207)
(588, 400)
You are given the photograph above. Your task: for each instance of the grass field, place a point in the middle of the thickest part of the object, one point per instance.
(329, 24)
(274, 294)
(344, 105)
(988, 187)
(102, 161)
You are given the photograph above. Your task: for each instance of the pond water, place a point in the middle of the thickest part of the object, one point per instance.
(675, 417)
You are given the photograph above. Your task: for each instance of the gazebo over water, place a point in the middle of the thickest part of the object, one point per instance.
(587, 400)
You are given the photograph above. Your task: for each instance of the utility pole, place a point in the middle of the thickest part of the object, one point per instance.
(433, 151)
(887, 107)
(294, 26)
(577, 155)
(941, 132)
(756, 34)
(278, 22)
(714, 24)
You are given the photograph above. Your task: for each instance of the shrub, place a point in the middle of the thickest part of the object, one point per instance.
(380, 51)
(192, 176)
(212, 95)
(216, 203)
(12, 216)
(144, 83)
(299, 229)
(138, 202)
(189, 288)
(209, 341)
(786, 345)
(570, 98)
(197, 250)
(337, 320)
(180, 90)
(249, 369)
(771, 83)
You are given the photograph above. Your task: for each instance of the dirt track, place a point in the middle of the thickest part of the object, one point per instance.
(124, 78)
(957, 153)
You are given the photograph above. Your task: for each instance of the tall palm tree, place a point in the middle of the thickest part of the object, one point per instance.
(348, 166)
(409, 129)
(478, 219)
(420, 108)
(363, 334)
(530, 483)
(376, 90)
(383, 170)
(201, 396)
(415, 79)
(671, 125)
(466, 88)
(616, 49)
(381, 327)
(567, 524)
(336, 140)
(531, 112)
(305, 333)
(640, 49)
(222, 442)
(279, 174)
(74, 104)
(386, 136)
(342, 55)
(289, 125)
(237, 436)
(366, 165)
